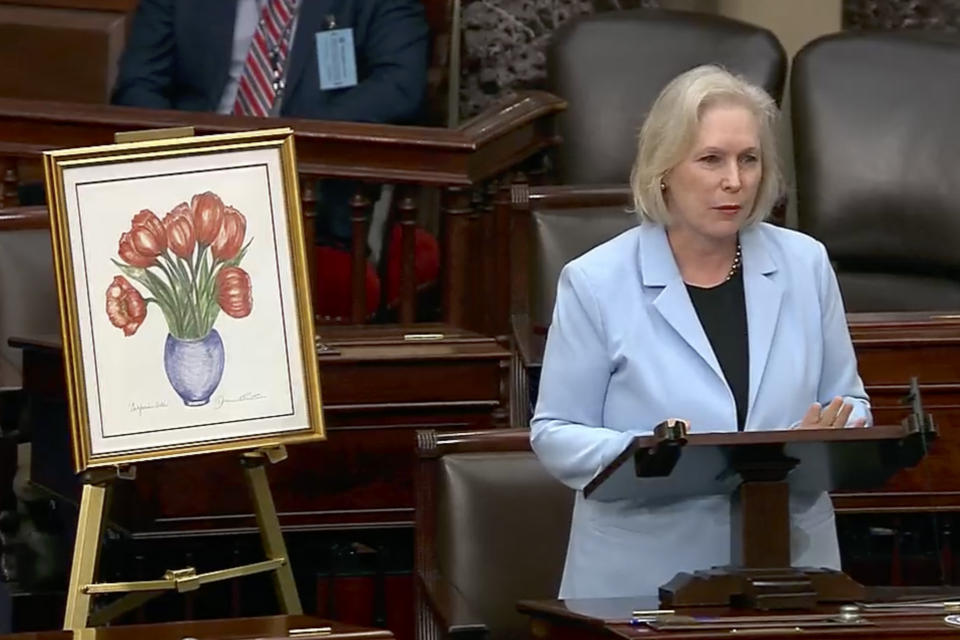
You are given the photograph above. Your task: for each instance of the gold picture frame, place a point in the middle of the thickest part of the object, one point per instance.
(200, 238)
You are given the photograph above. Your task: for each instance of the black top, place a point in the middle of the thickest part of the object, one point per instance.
(723, 315)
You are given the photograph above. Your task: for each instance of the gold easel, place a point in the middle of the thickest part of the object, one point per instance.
(97, 484)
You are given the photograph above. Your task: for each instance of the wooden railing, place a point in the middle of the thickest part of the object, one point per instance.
(472, 166)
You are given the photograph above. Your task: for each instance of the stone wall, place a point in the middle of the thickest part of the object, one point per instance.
(504, 43)
(902, 14)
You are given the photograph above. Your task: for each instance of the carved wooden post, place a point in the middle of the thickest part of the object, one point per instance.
(500, 253)
(485, 258)
(407, 209)
(476, 261)
(308, 207)
(360, 207)
(11, 180)
(456, 249)
(519, 246)
(502, 415)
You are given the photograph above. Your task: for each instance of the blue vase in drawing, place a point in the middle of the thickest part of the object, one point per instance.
(194, 367)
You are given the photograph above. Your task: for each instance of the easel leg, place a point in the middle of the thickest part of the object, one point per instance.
(85, 553)
(271, 536)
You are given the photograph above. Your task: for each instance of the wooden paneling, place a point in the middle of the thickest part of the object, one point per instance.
(892, 348)
(121, 6)
(65, 51)
(379, 386)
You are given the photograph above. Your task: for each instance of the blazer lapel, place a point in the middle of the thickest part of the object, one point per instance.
(659, 269)
(763, 295)
(312, 16)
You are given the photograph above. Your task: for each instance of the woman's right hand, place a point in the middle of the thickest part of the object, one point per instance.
(833, 416)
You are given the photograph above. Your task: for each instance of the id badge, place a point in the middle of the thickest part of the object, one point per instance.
(336, 59)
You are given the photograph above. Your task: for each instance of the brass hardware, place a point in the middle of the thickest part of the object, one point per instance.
(153, 134)
(310, 632)
(646, 613)
(272, 454)
(183, 579)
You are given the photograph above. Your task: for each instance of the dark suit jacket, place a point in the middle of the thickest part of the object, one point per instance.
(179, 51)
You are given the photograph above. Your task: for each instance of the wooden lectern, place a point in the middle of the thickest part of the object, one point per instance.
(759, 469)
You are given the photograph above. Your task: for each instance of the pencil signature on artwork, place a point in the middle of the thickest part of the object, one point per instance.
(139, 408)
(249, 396)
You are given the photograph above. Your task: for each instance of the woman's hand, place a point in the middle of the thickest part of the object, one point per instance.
(833, 416)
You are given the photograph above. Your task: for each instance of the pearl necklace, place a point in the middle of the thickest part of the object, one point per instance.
(736, 264)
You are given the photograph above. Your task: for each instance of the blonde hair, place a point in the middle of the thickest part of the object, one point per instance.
(670, 130)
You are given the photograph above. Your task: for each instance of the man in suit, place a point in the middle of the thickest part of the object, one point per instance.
(191, 55)
(188, 54)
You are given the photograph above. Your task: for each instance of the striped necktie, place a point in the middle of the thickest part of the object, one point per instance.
(261, 83)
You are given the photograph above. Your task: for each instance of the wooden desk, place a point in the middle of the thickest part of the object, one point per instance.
(234, 629)
(609, 619)
(379, 383)
(892, 347)
(379, 387)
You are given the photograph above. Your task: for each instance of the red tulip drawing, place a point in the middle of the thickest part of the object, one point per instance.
(229, 239)
(207, 214)
(126, 308)
(188, 263)
(178, 225)
(146, 240)
(233, 292)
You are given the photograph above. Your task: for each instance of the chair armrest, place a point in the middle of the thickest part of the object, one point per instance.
(530, 345)
(448, 609)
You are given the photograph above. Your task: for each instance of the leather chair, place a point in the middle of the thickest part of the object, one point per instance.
(492, 528)
(877, 148)
(549, 227)
(611, 66)
(28, 289)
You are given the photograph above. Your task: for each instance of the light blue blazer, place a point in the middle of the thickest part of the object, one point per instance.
(626, 350)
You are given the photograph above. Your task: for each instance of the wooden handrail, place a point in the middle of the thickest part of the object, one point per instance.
(482, 147)
(24, 218)
(481, 156)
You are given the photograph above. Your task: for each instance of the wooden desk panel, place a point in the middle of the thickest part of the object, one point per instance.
(891, 348)
(378, 389)
(233, 629)
(609, 619)
(60, 53)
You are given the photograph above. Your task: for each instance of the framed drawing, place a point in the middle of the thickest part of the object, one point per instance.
(185, 310)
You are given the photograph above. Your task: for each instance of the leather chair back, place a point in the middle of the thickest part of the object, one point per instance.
(611, 66)
(877, 149)
(28, 289)
(554, 225)
(500, 527)
(560, 235)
